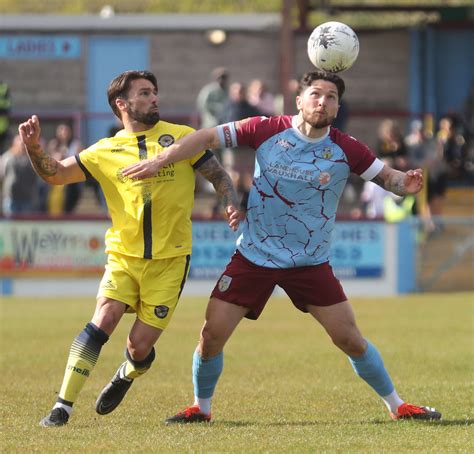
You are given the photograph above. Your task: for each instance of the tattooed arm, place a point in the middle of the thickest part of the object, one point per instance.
(220, 179)
(48, 168)
(400, 183)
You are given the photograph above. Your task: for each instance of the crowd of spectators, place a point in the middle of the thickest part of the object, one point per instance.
(444, 150)
(24, 193)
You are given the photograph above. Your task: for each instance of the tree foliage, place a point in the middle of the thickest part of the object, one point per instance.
(185, 6)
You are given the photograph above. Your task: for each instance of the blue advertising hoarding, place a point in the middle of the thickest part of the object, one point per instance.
(357, 249)
(213, 245)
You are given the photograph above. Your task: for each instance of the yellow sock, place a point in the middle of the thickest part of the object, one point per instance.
(134, 369)
(82, 358)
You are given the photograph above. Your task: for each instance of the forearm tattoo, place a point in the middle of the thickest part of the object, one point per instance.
(44, 165)
(220, 179)
(394, 183)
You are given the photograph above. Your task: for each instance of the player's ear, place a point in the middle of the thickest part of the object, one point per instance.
(298, 102)
(121, 104)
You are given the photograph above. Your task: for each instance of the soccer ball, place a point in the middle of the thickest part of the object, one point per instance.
(333, 47)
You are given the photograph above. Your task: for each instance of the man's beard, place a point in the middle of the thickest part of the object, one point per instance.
(321, 123)
(148, 118)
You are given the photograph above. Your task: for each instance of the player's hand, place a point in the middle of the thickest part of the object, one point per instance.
(234, 216)
(30, 132)
(413, 181)
(144, 169)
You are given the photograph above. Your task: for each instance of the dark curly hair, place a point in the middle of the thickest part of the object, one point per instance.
(120, 86)
(319, 74)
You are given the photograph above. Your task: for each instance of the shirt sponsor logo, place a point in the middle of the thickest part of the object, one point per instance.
(166, 140)
(292, 173)
(117, 150)
(224, 283)
(161, 311)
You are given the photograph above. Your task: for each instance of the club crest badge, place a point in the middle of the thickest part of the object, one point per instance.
(166, 140)
(161, 311)
(224, 283)
(327, 153)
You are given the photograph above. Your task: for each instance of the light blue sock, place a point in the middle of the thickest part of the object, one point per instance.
(370, 368)
(206, 372)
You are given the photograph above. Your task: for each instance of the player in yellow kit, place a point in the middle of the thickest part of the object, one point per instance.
(149, 242)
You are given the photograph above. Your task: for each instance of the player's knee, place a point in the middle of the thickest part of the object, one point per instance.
(108, 314)
(138, 350)
(209, 343)
(350, 343)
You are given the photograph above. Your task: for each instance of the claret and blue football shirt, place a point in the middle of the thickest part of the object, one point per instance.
(297, 184)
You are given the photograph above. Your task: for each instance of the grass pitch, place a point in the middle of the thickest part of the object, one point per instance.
(285, 387)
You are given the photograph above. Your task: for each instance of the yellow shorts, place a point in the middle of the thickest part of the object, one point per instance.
(151, 288)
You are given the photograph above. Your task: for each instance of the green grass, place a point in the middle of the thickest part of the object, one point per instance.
(285, 387)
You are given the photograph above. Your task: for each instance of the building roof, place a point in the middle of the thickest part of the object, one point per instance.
(138, 22)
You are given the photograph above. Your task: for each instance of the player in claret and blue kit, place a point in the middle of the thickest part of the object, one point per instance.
(301, 168)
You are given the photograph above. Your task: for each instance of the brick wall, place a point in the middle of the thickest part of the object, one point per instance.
(183, 61)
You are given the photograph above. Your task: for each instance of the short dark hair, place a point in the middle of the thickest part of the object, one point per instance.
(120, 86)
(308, 78)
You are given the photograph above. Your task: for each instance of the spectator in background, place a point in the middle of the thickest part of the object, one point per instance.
(424, 151)
(237, 108)
(468, 120)
(378, 203)
(260, 97)
(452, 143)
(5, 106)
(279, 101)
(210, 105)
(212, 98)
(61, 147)
(390, 145)
(19, 181)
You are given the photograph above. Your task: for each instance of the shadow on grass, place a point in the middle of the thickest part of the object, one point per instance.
(275, 424)
(443, 422)
(447, 422)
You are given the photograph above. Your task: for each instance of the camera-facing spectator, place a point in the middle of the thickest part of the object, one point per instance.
(19, 181)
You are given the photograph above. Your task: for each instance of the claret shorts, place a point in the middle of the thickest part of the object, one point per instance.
(245, 284)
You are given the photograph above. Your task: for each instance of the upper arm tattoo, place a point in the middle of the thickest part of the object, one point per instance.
(220, 179)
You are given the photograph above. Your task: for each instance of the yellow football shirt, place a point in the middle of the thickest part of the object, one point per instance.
(151, 218)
